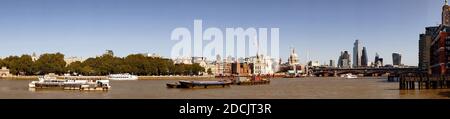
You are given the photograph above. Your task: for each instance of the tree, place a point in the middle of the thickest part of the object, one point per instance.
(2, 64)
(178, 69)
(197, 69)
(136, 64)
(75, 67)
(25, 65)
(150, 67)
(101, 65)
(51, 63)
(87, 70)
(209, 71)
(162, 66)
(12, 62)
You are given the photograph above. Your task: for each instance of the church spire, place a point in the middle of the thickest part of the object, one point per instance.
(446, 2)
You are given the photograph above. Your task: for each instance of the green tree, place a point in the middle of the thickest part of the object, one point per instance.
(25, 65)
(2, 63)
(178, 69)
(51, 63)
(209, 71)
(150, 67)
(102, 65)
(75, 67)
(12, 62)
(136, 64)
(87, 70)
(162, 66)
(197, 69)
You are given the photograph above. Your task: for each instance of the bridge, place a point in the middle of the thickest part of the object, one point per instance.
(367, 71)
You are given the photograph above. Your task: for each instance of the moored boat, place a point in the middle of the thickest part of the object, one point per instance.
(199, 84)
(254, 80)
(46, 82)
(125, 76)
(349, 76)
(173, 85)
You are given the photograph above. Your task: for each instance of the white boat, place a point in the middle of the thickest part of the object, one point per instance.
(69, 84)
(349, 76)
(122, 77)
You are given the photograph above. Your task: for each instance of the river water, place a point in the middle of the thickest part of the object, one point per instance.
(304, 88)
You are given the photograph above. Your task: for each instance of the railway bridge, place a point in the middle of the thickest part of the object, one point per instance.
(367, 71)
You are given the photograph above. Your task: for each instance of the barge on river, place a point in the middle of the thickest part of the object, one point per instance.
(249, 80)
(199, 84)
(47, 82)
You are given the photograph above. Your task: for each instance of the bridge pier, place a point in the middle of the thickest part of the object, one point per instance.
(423, 82)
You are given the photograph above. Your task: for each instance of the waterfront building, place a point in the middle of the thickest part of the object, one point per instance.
(226, 69)
(241, 69)
(424, 48)
(357, 52)
(396, 59)
(364, 59)
(438, 50)
(223, 66)
(219, 66)
(258, 64)
(344, 60)
(261, 64)
(4, 72)
(70, 60)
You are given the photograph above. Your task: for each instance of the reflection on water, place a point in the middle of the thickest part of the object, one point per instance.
(304, 88)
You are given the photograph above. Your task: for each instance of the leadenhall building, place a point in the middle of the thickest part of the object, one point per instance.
(434, 46)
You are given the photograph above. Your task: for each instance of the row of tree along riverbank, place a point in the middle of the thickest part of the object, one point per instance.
(137, 64)
(104, 77)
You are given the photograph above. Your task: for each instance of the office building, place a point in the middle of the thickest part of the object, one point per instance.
(357, 52)
(364, 58)
(396, 59)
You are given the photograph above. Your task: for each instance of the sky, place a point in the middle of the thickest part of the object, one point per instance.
(320, 28)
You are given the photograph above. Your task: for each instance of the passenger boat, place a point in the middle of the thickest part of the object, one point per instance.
(46, 82)
(349, 76)
(125, 76)
(199, 84)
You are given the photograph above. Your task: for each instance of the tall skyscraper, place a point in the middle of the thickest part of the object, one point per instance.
(396, 59)
(364, 58)
(357, 54)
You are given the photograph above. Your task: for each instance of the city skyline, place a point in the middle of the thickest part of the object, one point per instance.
(88, 28)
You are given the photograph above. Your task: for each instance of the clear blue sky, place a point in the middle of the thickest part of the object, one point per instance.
(322, 27)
